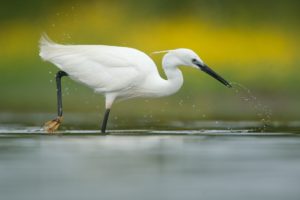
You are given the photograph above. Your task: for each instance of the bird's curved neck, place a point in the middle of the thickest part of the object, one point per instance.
(156, 86)
(174, 76)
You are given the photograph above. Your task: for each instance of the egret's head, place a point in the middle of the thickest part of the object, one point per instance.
(188, 57)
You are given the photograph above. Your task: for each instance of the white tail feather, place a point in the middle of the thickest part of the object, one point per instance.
(47, 47)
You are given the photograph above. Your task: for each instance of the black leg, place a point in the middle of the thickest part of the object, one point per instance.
(52, 125)
(59, 75)
(105, 119)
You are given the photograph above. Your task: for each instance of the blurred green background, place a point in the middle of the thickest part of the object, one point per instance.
(254, 43)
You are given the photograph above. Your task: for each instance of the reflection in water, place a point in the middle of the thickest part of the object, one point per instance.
(149, 166)
(208, 160)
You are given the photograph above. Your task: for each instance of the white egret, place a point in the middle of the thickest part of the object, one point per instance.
(118, 72)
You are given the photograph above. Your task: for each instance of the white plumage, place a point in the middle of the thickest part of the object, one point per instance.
(121, 72)
(106, 69)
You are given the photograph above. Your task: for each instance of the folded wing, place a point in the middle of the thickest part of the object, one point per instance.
(103, 68)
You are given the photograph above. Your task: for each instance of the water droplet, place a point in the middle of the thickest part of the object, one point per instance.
(180, 102)
(262, 111)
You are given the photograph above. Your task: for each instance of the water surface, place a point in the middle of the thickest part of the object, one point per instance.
(189, 160)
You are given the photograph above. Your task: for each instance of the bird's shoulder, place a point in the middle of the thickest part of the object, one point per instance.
(116, 56)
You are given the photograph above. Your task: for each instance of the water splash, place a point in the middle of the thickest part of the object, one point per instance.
(263, 112)
(180, 103)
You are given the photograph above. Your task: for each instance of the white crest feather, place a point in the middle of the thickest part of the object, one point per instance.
(163, 51)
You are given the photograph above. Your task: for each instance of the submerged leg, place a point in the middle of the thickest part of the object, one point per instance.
(52, 125)
(105, 119)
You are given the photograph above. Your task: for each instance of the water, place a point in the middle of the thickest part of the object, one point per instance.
(176, 160)
(263, 112)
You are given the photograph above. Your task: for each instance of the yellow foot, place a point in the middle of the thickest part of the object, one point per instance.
(52, 126)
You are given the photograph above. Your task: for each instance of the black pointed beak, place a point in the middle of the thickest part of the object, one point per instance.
(209, 71)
